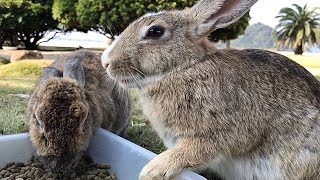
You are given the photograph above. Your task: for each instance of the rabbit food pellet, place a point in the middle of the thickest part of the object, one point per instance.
(34, 170)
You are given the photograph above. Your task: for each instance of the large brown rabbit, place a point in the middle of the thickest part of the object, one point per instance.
(72, 97)
(245, 114)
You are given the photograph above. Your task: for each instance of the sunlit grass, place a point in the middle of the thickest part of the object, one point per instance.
(26, 69)
(306, 61)
(15, 86)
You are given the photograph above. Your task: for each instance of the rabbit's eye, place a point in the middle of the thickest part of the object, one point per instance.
(154, 32)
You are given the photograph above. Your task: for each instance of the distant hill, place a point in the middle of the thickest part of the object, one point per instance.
(256, 36)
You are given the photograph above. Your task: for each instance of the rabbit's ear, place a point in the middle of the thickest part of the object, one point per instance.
(83, 118)
(215, 14)
(39, 122)
(49, 72)
(74, 69)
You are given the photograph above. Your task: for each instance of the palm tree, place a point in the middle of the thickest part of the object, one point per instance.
(297, 27)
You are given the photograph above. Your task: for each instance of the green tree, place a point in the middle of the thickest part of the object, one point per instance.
(29, 20)
(297, 26)
(111, 16)
(64, 11)
(232, 31)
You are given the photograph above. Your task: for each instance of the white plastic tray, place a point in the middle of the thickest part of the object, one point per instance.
(126, 158)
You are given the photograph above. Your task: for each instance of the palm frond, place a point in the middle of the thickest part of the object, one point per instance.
(297, 26)
(299, 8)
(307, 29)
(317, 36)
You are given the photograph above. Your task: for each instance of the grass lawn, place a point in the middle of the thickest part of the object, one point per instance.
(16, 86)
(12, 114)
(27, 69)
(13, 109)
(306, 61)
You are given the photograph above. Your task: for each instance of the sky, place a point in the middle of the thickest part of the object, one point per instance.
(265, 11)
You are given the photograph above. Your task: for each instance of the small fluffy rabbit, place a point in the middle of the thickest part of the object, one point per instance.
(72, 97)
(245, 114)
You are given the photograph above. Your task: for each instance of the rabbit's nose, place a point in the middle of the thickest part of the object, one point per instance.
(105, 58)
(105, 65)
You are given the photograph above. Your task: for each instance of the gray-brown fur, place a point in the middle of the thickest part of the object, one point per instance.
(245, 114)
(72, 97)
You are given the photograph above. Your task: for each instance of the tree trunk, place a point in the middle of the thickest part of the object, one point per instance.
(30, 40)
(298, 49)
(228, 44)
(2, 38)
(30, 45)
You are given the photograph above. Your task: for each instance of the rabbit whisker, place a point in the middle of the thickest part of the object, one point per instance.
(137, 70)
(106, 76)
(126, 93)
(119, 92)
(131, 74)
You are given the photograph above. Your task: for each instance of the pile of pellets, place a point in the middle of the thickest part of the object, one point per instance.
(35, 170)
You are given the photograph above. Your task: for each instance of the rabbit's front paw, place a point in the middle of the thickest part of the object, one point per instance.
(155, 172)
(159, 169)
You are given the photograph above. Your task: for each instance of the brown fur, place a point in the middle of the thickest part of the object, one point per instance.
(245, 114)
(61, 134)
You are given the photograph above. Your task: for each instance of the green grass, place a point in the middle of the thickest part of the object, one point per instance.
(13, 109)
(12, 114)
(146, 137)
(27, 69)
(137, 115)
(16, 86)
